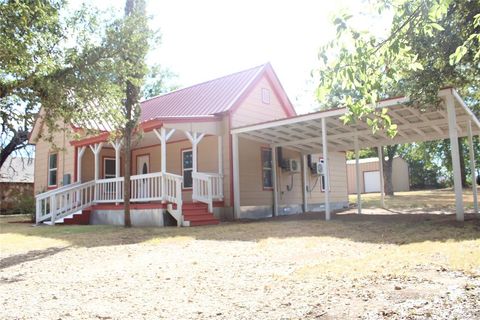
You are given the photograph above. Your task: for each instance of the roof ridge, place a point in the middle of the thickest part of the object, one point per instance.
(204, 82)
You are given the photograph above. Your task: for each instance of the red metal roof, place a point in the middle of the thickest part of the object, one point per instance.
(207, 98)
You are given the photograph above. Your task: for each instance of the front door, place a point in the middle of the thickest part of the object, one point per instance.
(143, 167)
(143, 163)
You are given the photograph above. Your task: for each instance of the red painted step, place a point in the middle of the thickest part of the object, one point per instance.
(197, 214)
(83, 218)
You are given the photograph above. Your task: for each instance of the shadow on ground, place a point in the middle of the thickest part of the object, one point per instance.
(29, 256)
(374, 226)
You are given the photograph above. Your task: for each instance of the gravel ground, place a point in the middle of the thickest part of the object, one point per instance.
(232, 277)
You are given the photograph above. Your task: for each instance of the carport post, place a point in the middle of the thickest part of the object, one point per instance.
(457, 178)
(274, 181)
(357, 175)
(382, 182)
(472, 167)
(304, 182)
(325, 169)
(236, 177)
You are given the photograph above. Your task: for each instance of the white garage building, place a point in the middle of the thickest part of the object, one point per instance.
(370, 175)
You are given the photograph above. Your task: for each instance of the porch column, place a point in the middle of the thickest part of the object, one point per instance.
(236, 177)
(220, 154)
(457, 178)
(163, 136)
(96, 148)
(382, 182)
(357, 175)
(80, 153)
(274, 181)
(304, 182)
(195, 138)
(117, 145)
(325, 168)
(472, 168)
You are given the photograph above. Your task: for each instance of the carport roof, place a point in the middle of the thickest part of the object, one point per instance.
(303, 132)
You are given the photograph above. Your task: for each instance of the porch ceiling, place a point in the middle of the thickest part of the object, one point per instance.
(303, 133)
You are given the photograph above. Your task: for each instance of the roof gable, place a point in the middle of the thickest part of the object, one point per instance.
(212, 97)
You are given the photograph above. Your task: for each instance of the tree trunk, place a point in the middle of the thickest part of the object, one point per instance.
(18, 141)
(127, 143)
(462, 163)
(388, 169)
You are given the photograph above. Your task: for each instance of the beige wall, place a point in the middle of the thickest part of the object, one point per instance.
(400, 175)
(65, 162)
(253, 194)
(253, 110)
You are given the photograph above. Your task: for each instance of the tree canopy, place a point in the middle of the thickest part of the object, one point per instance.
(431, 44)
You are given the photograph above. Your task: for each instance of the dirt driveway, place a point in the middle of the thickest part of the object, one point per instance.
(379, 265)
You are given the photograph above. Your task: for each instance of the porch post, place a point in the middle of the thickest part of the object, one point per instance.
(457, 178)
(163, 136)
(357, 175)
(96, 148)
(472, 168)
(80, 153)
(274, 181)
(382, 182)
(236, 177)
(325, 167)
(194, 138)
(304, 182)
(220, 154)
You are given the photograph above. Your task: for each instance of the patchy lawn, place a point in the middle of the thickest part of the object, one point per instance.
(383, 264)
(424, 199)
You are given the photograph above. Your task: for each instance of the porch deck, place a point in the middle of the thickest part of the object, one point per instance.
(154, 190)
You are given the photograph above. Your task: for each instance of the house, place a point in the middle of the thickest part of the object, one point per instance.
(16, 184)
(229, 148)
(184, 158)
(370, 175)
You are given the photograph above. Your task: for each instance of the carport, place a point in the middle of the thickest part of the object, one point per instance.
(324, 131)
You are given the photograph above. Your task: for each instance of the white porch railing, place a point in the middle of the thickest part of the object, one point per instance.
(207, 187)
(58, 203)
(61, 202)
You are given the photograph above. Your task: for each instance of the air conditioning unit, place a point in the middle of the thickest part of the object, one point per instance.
(293, 165)
(319, 168)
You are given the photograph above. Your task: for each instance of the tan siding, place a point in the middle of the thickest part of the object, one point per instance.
(251, 186)
(253, 194)
(65, 162)
(338, 180)
(253, 110)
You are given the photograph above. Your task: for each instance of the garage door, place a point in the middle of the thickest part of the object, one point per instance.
(372, 181)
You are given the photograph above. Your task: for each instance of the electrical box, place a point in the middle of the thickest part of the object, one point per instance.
(319, 168)
(293, 165)
(67, 179)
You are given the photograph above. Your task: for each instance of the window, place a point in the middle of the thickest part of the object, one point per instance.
(265, 96)
(109, 168)
(52, 170)
(267, 180)
(187, 168)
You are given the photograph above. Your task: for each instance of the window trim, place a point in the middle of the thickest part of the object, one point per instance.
(183, 169)
(105, 167)
(262, 168)
(52, 186)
